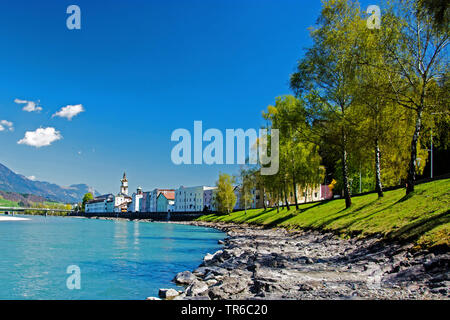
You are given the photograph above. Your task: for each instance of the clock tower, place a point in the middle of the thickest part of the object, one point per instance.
(124, 186)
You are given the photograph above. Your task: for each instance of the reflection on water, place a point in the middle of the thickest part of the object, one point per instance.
(136, 235)
(121, 239)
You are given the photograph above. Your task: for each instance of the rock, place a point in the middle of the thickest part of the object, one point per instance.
(152, 298)
(198, 298)
(233, 285)
(252, 267)
(201, 271)
(216, 293)
(185, 277)
(211, 282)
(221, 242)
(196, 288)
(168, 293)
(226, 254)
(274, 264)
(210, 258)
(305, 287)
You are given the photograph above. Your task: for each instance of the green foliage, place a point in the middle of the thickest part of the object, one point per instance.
(225, 199)
(247, 184)
(88, 196)
(299, 158)
(438, 11)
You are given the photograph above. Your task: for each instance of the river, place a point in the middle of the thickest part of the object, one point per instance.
(117, 259)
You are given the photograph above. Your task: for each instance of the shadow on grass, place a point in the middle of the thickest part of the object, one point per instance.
(336, 215)
(279, 221)
(416, 229)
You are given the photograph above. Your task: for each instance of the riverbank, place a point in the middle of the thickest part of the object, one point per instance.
(422, 217)
(257, 263)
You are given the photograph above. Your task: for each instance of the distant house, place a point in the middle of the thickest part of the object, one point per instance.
(134, 205)
(255, 202)
(193, 199)
(165, 201)
(208, 199)
(103, 203)
(149, 202)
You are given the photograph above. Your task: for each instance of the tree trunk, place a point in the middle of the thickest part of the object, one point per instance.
(280, 194)
(285, 197)
(378, 186)
(348, 199)
(264, 198)
(294, 185)
(411, 179)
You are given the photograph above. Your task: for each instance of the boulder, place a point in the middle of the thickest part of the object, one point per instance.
(210, 258)
(233, 285)
(168, 293)
(196, 288)
(185, 277)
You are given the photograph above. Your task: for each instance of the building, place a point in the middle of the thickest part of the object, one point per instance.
(136, 198)
(255, 202)
(192, 199)
(101, 204)
(122, 199)
(119, 203)
(124, 185)
(307, 194)
(208, 199)
(144, 205)
(165, 201)
(310, 194)
(150, 199)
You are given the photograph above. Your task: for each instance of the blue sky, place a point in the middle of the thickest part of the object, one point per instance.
(141, 69)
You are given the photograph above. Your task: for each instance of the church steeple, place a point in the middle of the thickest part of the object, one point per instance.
(124, 186)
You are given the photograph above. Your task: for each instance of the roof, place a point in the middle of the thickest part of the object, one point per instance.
(169, 195)
(104, 196)
(95, 201)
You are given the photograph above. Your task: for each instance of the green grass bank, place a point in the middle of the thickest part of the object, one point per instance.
(422, 217)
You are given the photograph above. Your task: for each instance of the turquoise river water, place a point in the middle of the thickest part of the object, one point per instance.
(116, 259)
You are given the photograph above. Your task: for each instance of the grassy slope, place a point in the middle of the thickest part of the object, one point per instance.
(7, 203)
(422, 217)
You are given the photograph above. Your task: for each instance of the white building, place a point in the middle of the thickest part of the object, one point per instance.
(191, 199)
(100, 204)
(122, 199)
(136, 199)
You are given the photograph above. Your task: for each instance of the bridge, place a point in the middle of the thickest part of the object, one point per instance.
(12, 210)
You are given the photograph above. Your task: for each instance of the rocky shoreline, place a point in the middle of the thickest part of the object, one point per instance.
(258, 263)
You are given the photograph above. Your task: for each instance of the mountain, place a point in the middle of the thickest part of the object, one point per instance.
(13, 182)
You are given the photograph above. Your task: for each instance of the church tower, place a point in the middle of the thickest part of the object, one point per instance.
(124, 186)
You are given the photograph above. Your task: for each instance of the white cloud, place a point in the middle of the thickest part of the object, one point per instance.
(6, 125)
(32, 178)
(41, 137)
(69, 111)
(30, 105)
